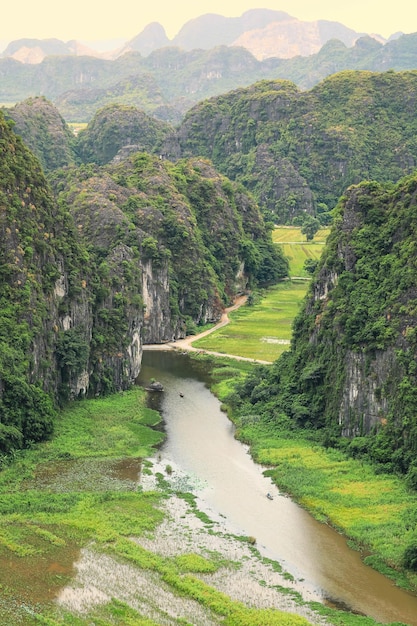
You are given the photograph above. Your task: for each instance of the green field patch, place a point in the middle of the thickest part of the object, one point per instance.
(297, 254)
(297, 250)
(261, 331)
(376, 511)
(284, 234)
(117, 426)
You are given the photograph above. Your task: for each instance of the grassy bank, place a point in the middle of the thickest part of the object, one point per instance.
(76, 500)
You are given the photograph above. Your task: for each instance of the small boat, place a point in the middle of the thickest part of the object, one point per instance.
(268, 495)
(154, 386)
(181, 394)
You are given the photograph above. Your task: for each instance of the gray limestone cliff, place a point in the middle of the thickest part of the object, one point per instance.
(354, 347)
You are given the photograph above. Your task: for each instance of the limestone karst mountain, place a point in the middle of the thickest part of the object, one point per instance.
(264, 32)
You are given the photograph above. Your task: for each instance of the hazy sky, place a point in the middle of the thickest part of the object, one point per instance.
(99, 19)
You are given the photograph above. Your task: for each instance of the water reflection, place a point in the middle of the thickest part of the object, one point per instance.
(200, 440)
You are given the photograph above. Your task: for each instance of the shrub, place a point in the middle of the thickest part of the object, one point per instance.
(410, 557)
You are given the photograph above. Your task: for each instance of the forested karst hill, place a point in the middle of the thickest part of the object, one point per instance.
(140, 250)
(44, 131)
(351, 369)
(297, 151)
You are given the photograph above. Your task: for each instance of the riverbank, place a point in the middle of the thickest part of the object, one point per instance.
(84, 541)
(376, 512)
(81, 535)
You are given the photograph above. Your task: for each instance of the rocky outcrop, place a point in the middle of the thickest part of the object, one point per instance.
(355, 347)
(151, 38)
(157, 326)
(363, 407)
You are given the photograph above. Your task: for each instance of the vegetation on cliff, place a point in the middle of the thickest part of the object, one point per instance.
(351, 369)
(119, 126)
(75, 269)
(208, 232)
(298, 151)
(44, 132)
(31, 249)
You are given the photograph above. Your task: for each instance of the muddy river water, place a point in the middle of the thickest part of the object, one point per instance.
(200, 440)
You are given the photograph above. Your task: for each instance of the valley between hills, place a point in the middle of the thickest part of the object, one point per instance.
(196, 180)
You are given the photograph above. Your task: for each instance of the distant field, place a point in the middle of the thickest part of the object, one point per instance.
(77, 126)
(286, 234)
(297, 249)
(261, 331)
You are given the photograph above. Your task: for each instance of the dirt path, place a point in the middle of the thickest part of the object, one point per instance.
(186, 343)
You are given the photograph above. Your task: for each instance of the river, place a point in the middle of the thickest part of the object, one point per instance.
(200, 440)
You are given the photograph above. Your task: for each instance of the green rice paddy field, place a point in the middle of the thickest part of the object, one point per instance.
(297, 249)
(263, 331)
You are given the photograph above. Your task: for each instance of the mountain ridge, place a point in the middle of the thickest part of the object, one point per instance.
(264, 32)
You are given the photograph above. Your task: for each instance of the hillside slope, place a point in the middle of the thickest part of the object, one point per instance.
(351, 369)
(297, 151)
(140, 251)
(170, 81)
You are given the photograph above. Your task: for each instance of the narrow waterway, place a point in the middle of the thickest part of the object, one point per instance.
(200, 440)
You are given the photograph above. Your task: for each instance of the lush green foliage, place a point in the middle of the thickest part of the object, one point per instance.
(298, 151)
(116, 126)
(27, 269)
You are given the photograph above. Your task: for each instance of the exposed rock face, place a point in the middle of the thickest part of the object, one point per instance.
(157, 314)
(355, 349)
(362, 407)
(289, 38)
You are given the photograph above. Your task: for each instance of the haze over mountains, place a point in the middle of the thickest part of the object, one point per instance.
(264, 32)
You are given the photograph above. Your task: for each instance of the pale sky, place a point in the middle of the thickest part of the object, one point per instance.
(124, 19)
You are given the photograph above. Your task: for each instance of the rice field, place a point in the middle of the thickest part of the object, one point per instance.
(297, 250)
(293, 234)
(261, 331)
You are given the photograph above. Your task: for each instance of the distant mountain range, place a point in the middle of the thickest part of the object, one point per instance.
(169, 81)
(264, 32)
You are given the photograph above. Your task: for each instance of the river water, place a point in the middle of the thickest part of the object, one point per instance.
(200, 440)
